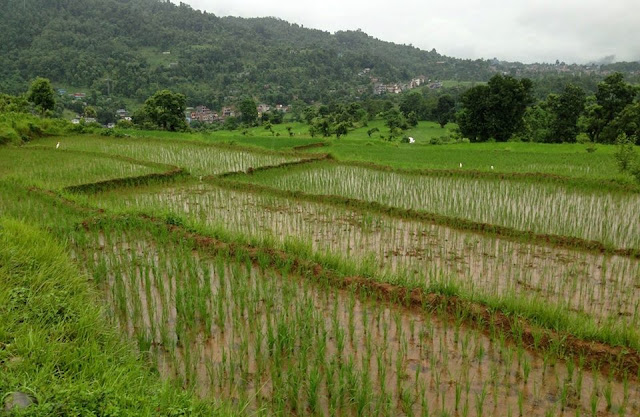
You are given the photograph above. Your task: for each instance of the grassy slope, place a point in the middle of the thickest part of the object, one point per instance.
(56, 345)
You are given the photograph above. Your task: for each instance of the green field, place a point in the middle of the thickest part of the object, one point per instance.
(569, 160)
(387, 280)
(51, 168)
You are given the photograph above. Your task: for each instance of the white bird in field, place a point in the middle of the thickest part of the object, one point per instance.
(491, 166)
(411, 140)
(57, 145)
(460, 164)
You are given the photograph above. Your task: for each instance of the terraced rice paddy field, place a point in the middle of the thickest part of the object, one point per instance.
(290, 284)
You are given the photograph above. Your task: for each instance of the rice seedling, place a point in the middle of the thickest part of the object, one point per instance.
(198, 158)
(236, 319)
(417, 252)
(57, 169)
(541, 208)
(313, 364)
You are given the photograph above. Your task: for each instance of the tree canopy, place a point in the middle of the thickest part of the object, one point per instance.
(166, 110)
(41, 94)
(248, 110)
(495, 110)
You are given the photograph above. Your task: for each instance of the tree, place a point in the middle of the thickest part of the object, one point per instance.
(277, 117)
(566, 111)
(230, 123)
(412, 102)
(341, 129)
(443, 112)
(166, 110)
(309, 114)
(41, 94)
(626, 123)
(372, 131)
(394, 120)
(612, 97)
(626, 154)
(412, 119)
(13, 104)
(537, 122)
(473, 119)
(495, 110)
(90, 111)
(323, 126)
(248, 110)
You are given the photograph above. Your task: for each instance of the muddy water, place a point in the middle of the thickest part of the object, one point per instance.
(283, 345)
(604, 287)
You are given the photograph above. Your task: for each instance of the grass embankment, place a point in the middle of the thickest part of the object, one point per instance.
(56, 346)
(16, 128)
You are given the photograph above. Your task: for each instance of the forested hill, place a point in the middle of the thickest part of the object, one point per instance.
(131, 48)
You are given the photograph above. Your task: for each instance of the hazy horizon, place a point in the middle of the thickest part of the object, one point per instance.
(572, 31)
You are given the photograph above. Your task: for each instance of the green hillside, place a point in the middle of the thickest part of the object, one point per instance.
(131, 48)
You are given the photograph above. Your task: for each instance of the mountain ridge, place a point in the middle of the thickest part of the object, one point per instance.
(131, 48)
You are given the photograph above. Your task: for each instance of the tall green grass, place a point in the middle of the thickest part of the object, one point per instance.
(56, 346)
(16, 128)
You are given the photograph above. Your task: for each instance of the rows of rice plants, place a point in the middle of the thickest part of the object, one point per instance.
(198, 158)
(237, 327)
(567, 160)
(238, 322)
(409, 252)
(55, 168)
(610, 218)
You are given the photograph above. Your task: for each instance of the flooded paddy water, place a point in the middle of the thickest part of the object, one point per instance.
(280, 344)
(601, 286)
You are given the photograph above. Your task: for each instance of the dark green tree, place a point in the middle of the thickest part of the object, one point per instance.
(41, 94)
(248, 111)
(165, 109)
(90, 111)
(412, 102)
(277, 117)
(626, 123)
(537, 122)
(444, 111)
(495, 110)
(309, 114)
(323, 126)
(474, 119)
(412, 119)
(566, 110)
(341, 129)
(372, 131)
(613, 95)
(394, 119)
(13, 104)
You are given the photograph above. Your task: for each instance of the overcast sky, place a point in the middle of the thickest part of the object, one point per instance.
(514, 30)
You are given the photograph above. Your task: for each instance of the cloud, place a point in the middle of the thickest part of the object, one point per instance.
(519, 30)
